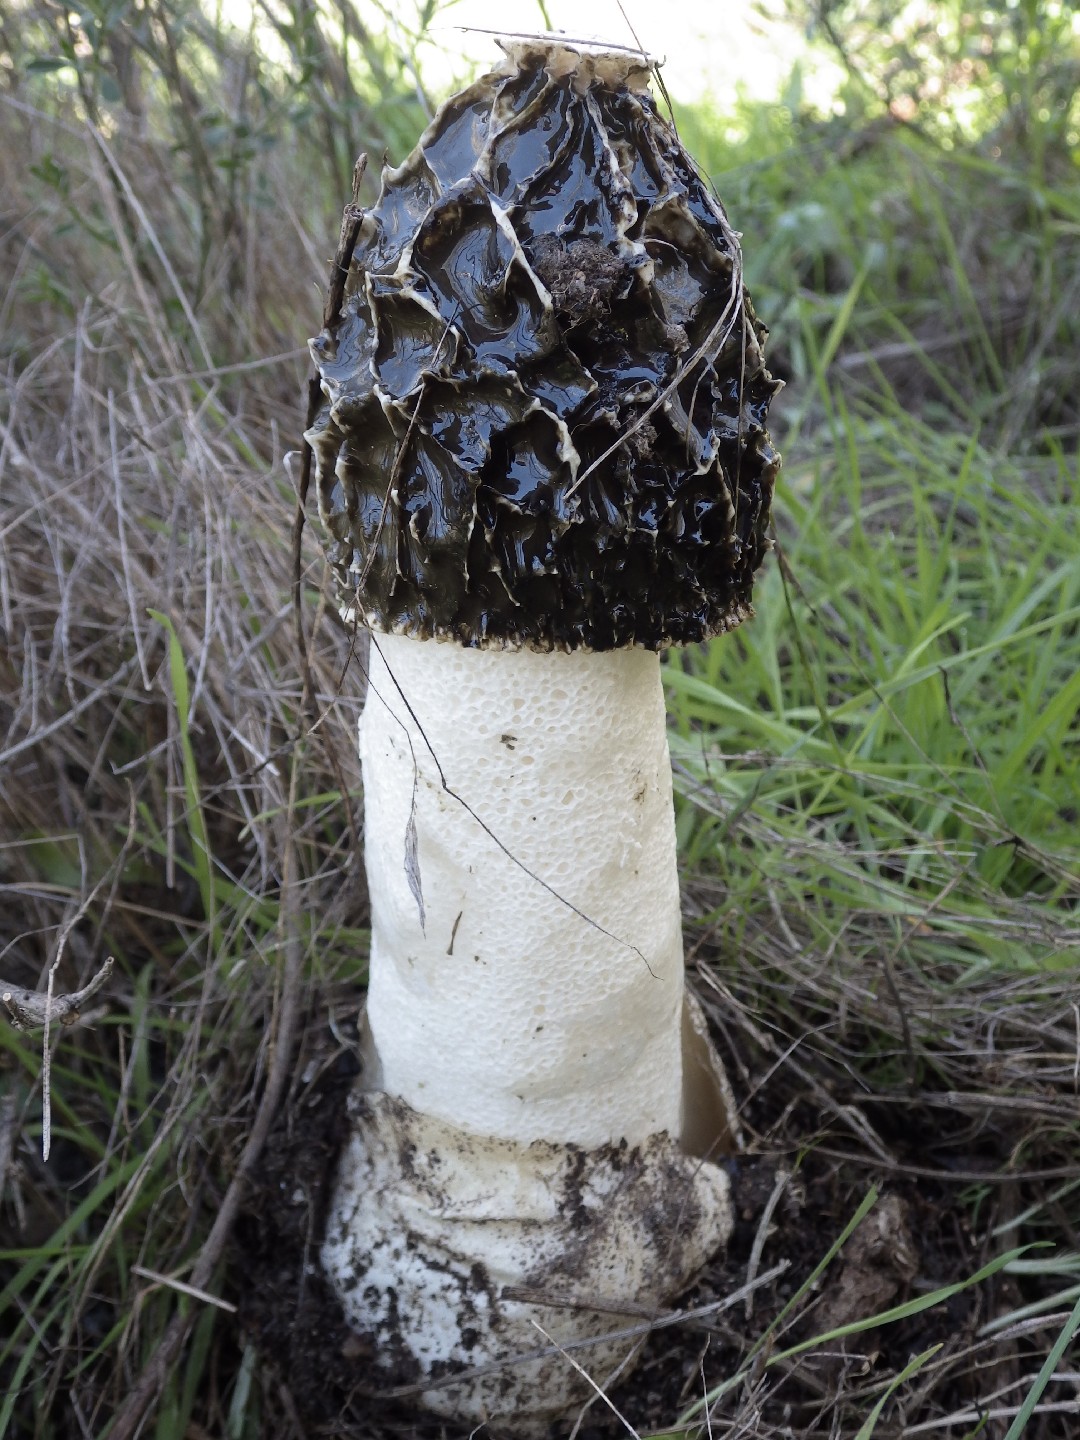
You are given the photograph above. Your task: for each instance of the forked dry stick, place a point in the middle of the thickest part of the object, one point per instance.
(34, 1009)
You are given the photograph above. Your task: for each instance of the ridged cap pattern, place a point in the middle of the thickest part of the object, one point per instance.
(545, 390)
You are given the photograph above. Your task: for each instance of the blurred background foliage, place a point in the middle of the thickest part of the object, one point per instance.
(879, 777)
(944, 158)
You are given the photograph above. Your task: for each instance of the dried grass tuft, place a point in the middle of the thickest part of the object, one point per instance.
(142, 475)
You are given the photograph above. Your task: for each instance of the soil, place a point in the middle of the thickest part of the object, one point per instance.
(582, 277)
(917, 1237)
(286, 1304)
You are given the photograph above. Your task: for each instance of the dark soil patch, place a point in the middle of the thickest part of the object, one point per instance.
(286, 1304)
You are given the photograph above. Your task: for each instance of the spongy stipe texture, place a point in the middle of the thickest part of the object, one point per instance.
(546, 396)
(526, 966)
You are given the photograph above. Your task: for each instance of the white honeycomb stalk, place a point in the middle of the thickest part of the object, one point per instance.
(539, 997)
(522, 1113)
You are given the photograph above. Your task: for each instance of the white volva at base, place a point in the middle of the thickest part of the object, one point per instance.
(522, 1114)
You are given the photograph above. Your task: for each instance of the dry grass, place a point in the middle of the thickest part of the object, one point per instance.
(139, 478)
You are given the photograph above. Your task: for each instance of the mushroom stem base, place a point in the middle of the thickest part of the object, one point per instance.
(482, 1265)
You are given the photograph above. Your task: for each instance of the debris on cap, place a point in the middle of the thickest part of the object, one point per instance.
(546, 396)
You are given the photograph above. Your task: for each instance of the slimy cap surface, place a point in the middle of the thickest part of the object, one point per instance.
(545, 390)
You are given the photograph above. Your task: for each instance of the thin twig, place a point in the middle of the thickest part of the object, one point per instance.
(600, 1393)
(629, 1332)
(761, 1235)
(171, 1283)
(351, 221)
(33, 1009)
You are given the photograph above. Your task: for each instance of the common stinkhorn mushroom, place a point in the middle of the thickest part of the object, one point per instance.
(541, 460)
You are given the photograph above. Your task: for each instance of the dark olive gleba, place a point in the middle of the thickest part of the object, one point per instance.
(547, 397)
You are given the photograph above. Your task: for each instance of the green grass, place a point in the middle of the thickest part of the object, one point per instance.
(878, 777)
(911, 683)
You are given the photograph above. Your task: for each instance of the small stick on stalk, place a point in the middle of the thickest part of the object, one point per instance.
(351, 220)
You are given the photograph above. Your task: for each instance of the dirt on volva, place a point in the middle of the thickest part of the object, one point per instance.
(918, 1237)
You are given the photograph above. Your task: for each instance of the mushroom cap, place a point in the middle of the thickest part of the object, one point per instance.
(546, 397)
